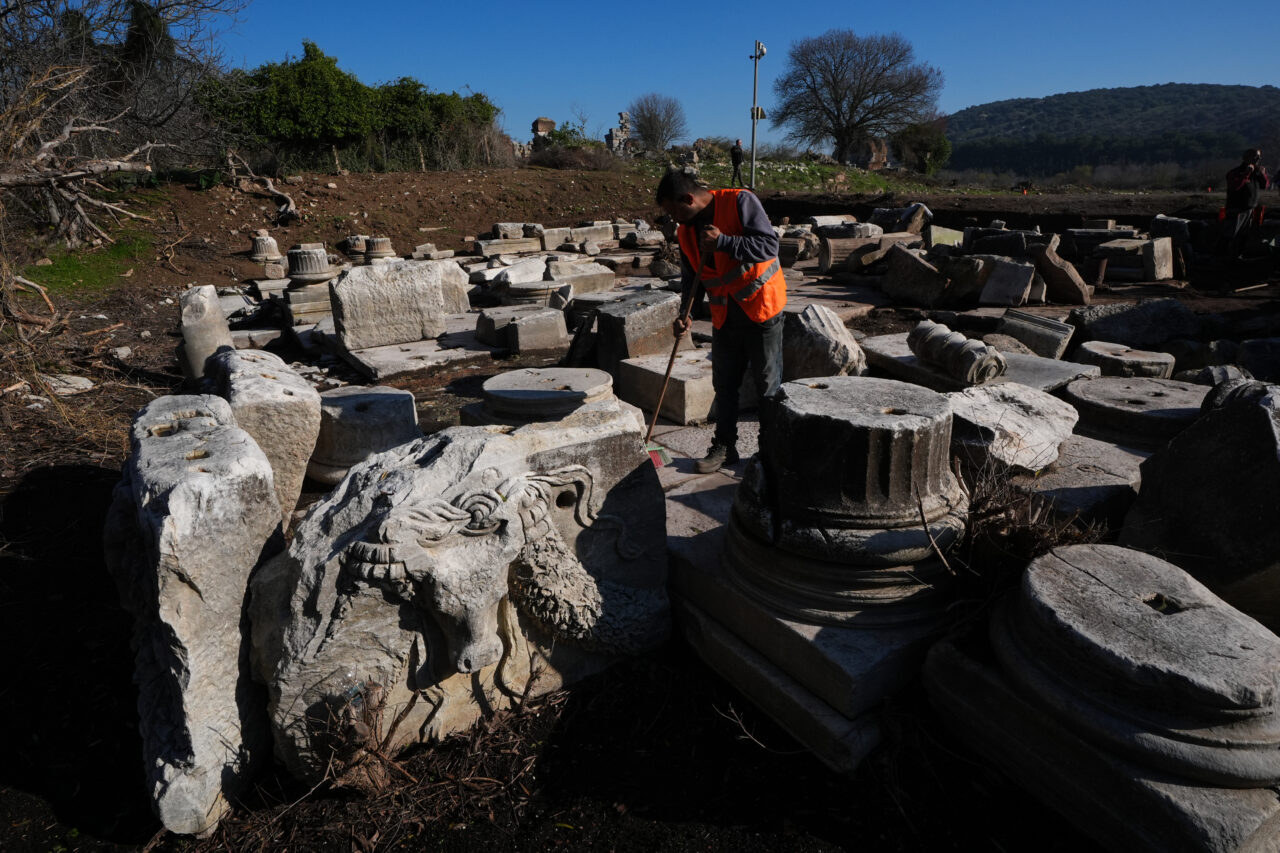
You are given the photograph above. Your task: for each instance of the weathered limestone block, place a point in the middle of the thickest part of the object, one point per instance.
(278, 408)
(1092, 481)
(1214, 374)
(1044, 336)
(1062, 282)
(1010, 244)
(509, 230)
(1261, 357)
(357, 422)
(1120, 360)
(689, 391)
(489, 248)
(1152, 259)
(540, 329)
(1008, 425)
(522, 328)
(584, 277)
(455, 576)
(1184, 757)
(204, 329)
(966, 276)
(1008, 283)
(1139, 412)
(1210, 499)
(816, 343)
(521, 272)
(971, 362)
(396, 303)
(635, 326)
(1142, 325)
(912, 280)
(188, 522)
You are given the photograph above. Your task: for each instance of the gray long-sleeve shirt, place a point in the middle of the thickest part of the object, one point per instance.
(757, 242)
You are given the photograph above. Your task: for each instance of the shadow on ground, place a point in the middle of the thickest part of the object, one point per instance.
(67, 701)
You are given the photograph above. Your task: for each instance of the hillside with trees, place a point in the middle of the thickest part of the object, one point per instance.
(1178, 123)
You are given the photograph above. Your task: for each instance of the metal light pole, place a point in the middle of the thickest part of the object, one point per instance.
(756, 112)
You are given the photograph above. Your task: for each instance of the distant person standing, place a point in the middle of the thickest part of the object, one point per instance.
(735, 154)
(1245, 184)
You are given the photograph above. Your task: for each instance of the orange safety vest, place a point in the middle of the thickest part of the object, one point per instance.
(759, 289)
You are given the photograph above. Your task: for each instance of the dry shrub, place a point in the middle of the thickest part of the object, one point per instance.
(1007, 528)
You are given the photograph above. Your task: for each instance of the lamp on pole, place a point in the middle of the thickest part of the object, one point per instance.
(756, 112)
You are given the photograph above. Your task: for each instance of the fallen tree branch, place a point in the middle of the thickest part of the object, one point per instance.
(287, 210)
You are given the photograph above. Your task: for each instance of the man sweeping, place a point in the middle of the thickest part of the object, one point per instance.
(727, 243)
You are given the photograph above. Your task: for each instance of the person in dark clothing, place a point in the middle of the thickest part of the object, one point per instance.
(1245, 184)
(735, 154)
(727, 244)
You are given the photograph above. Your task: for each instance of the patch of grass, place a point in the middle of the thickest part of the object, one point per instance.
(93, 269)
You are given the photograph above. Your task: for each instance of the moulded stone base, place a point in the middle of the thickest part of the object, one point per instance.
(1123, 806)
(851, 668)
(838, 741)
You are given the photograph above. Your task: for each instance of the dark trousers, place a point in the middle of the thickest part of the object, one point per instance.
(1236, 227)
(737, 174)
(736, 347)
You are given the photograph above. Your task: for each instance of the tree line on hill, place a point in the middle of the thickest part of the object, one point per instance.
(1182, 124)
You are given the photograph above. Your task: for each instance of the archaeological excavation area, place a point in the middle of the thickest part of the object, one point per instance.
(1015, 481)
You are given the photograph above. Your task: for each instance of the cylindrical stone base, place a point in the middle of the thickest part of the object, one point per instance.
(1120, 360)
(357, 422)
(539, 394)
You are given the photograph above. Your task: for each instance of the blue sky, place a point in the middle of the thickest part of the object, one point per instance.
(536, 58)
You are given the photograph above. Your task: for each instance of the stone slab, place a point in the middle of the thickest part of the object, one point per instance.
(689, 395)
(1045, 337)
(1120, 360)
(490, 248)
(839, 742)
(397, 302)
(1092, 481)
(848, 668)
(891, 355)
(458, 344)
(637, 325)
(1008, 283)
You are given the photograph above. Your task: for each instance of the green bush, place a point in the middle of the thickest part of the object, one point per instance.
(305, 112)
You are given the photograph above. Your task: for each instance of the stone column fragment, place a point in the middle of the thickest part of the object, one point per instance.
(972, 362)
(204, 329)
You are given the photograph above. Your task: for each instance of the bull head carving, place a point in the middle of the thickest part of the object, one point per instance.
(453, 558)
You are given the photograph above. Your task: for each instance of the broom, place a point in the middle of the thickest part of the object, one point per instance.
(656, 451)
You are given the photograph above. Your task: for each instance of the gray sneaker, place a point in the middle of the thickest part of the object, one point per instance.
(717, 457)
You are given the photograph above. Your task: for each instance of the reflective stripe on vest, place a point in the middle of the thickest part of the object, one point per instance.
(748, 290)
(758, 287)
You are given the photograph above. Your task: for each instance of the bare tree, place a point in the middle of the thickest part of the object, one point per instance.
(840, 87)
(91, 89)
(658, 121)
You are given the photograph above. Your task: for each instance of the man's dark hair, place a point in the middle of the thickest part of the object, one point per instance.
(675, 183)
(1252, 155)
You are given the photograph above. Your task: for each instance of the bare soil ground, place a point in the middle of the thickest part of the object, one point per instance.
(656, 754)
